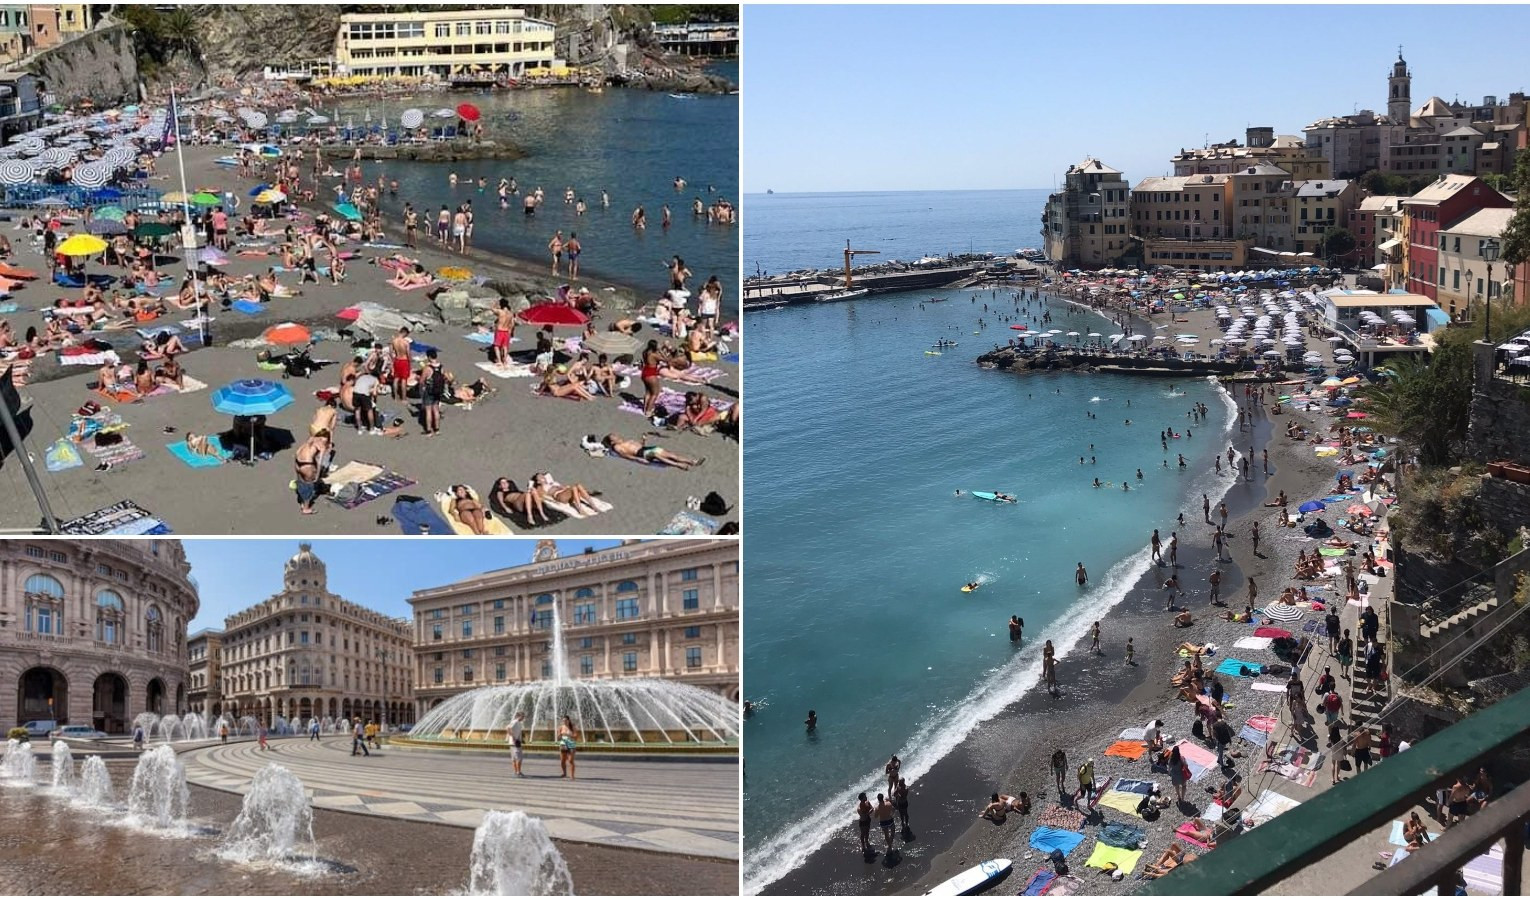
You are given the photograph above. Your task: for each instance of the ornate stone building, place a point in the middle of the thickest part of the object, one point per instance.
(306, 652)
(204, 658)
(93, 632)
(652, 609)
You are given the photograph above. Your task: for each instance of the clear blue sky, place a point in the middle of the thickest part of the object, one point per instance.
(380, 574)
(844, 98)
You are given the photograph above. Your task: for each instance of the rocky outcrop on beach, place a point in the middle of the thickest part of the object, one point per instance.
(240, 39)
(100, 66)
(1010, 359)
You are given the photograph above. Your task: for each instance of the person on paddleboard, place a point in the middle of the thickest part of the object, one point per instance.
(972, 586)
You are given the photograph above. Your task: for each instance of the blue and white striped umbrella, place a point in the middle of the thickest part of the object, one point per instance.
(412, 118)
(251, 397)
(15, 171)
(91, 175)
(1280, 612)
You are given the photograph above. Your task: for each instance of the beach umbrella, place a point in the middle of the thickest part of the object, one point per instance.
(81, 245)
(154, 229)
(444, 113)
(270, 195)
(1095, 334)
(318, 120)
(255, 191)
(287, 333)
(1073, 334)
(115, 213)
(1356, 415)
(468, 112)
(90, 175)
(1274, 353)
(552, 314)
(251, 397)
(1312, 506)
(612, 343)
(203, 198)
(1281, 612)
(175, 197)
(412, 118)
(106, 226)
(15, 172)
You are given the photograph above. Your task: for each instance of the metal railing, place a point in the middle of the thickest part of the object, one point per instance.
(1328, 823)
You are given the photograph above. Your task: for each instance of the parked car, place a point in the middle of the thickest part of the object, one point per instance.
(39, 727)
(77, 733)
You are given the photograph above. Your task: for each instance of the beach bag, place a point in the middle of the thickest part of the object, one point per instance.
(714, 505)
(1198, 729)
(1147, 809)
(1059, 862)
(438, 383)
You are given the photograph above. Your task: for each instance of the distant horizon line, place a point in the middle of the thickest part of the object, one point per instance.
(900, 191)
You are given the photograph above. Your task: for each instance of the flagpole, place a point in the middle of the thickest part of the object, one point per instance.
(191, 269)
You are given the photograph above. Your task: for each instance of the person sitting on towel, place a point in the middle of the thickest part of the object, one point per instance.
(1184, 620)
(467, 510)
(574, 495)
(171, 373)
(201, 445)
(698, 411)
(1171, 858)
(1198, 830)
(506, 498)
(603, 375)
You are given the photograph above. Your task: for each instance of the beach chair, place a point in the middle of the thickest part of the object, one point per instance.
(436, 134)
(392, 139)
(451, 132)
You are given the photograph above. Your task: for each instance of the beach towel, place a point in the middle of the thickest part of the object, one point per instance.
(1118, 834)
(1268, 806)
(1270, 631)
(1133, 734)
(483, 337)
(1038, 883)
(366, 491)
(1135, 786)
(116, 454)
(512, 370)
(1065, 886)
(1269, 687)
(1197, 758)
(1235, 667)
(412, 287)
(493, 525)
(1127, 749)
(1183, 833)
(690, 523)
(1121, 801)
(121, 519)
(1046, 839)
(197, 460)
(573, 513)
(1484, 874)
(248, 307)
(1266, 724)
(1286, 770)
(416, 516)
(1104, 856)
(1396, 839)
(89, 359)
(1061, 817)
(61, 455)
(1253, 643)
(353, 472)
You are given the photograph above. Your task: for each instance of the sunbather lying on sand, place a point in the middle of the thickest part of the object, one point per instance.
(640, 452)
(574, 495)
(1172, 858)
(556, 383)
(1229, 616)
(506, 498)
(1200, 831)
(1001, 805)
(467, 510)
(411, 277)
(201, 445)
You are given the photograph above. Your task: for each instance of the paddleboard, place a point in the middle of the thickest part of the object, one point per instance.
(989, 496)
(976, 879)
(967, 588)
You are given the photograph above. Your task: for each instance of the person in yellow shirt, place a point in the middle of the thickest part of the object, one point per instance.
(371, 732)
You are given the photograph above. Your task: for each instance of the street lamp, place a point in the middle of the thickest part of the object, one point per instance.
(1470, 275)
(1490, 256)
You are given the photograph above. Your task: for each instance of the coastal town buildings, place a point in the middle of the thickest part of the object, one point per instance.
(204, 656)
(93, 632)
(1440, 207)
(15, 31)
(1317, 207)
(1263, 146)
(1086, 224)
(1182, 221)
(462, 46)
(644, 609)
(307, 652)
(1371, 222)
(1463, 261)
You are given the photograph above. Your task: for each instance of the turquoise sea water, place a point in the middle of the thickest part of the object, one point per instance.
(858, 546)
(629, 143)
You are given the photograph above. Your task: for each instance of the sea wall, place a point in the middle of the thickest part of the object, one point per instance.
(435, 151)
(1009, 359)
(99, 66)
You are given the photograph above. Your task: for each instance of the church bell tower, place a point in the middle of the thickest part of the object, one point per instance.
(1399, 103)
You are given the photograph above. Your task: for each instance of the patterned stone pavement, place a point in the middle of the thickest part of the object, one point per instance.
(675, 806)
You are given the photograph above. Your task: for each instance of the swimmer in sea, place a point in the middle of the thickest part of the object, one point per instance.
(1097, 482)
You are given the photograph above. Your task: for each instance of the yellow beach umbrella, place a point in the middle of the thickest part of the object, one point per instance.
(81, 245)
(455, 273)
(175, 197)
(270, 195)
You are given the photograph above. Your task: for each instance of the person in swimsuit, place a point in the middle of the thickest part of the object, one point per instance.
(863, 821)
(639, 452)
(555, 248)
(306, 463)
(566, 745)
(467, 510)
(504, 331)
(506, 497)
(572, 248)
(575, 495)
(639, 218)
(972, 585)
(653, 361)
(402, 365)
(885, 814)
(698, 411)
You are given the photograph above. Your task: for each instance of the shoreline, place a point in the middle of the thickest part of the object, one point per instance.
(1010, 752)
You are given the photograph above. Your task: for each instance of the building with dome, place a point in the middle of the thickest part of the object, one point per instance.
(308, 653)
(93, 632)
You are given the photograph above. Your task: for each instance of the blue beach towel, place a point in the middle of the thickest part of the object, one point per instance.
(1046, 839)
(196, 460)
(1038, 883)
(730, 358)
(417, 347)
(248, 307)
(1254, 736)
(1126, 837)
(1233, 666)
(415, 516)
(10, 307)
(479, 337)
(1134, 786)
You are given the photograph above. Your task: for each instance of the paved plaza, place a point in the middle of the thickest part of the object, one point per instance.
(674, 806)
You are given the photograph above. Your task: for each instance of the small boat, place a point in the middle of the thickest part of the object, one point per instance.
(974, 880)
(843, 295)
(683, 96)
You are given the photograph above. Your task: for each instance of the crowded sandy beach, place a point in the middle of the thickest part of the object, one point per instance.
(325, 362)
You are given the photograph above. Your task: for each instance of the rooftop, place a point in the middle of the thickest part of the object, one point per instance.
(1361, 299)
(1445, 187)
(1463, 131)
(1162, 183)
(1263, 169)
(1092, 166)
(1433, 107)
(1382, 203)
(1483, 223)
(1330, 187)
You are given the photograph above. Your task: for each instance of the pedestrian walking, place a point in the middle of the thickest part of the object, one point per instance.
(516, 734)
(1059, 769)
(567, 744)
(1130, 653)
(138, 737)
(261, 736)
(1346, 654)
(1094, 638)
(1223, 734)
(359, 739)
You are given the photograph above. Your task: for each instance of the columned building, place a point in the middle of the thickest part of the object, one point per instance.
(649, 609)
(93, 632)
(204, 658)
(308, 653)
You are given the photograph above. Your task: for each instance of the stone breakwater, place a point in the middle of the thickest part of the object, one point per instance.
(1010, 359)
(437, 151)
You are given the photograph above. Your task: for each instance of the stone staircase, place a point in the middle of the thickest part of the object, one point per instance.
(1363, 705)
(1487, 603)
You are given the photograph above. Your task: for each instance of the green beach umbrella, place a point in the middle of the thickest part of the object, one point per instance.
(153, 229)
(114, 213)
(202, 198)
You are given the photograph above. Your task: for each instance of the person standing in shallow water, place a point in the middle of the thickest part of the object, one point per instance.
(1081, 575)
(863, 821)
(900, 803)
(812, 725)
(1016, 628)
(885, 813)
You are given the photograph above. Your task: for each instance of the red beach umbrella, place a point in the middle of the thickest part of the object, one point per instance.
(287, 333)
(552, 314)
(468, 112)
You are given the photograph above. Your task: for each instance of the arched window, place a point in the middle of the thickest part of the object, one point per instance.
(45, 605)
(585, 592)
(154, 630)
(627, 587)
(109, 615)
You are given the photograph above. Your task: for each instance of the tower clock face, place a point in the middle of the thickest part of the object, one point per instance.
(547, 551)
